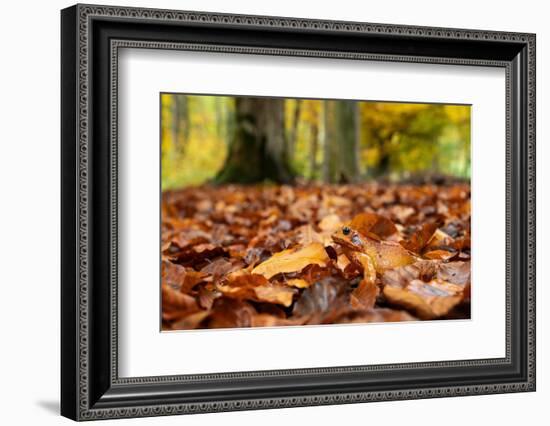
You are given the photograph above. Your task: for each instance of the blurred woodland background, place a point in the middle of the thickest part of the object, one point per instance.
(228, 139)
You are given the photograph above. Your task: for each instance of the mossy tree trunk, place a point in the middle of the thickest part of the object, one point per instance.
(257, 150)
(341, 141)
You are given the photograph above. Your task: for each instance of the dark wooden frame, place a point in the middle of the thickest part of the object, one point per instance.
(91, 37)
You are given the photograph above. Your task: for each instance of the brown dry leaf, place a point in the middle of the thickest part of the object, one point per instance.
(376, 315)
(364, 296)
(372, 223)
(267, 320)
(292, 260)
(428, 300)
(241, 285)
(191, 321)
(330, 223)
(179, 277)
(439, 254)
(172, 274)
(439, 240)
(402, 213)
(165, 245)
(314, 273)
(455, 272)
(420, 239)
(175, 304)
(342, 262)
(298, 283)
(462, 243)
(190, 237)
(199, 253)
(275, 293)
(334, 201)
(230, 313)
(206, 296)
(255, 255)
(322, 299)
(429, 288)
(221, 266)
(308, 235)
(256, 287)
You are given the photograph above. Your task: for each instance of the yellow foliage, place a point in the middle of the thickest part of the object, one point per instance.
(395, 139)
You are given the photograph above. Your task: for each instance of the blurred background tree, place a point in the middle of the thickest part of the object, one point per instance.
(258, 148)
(225, 139)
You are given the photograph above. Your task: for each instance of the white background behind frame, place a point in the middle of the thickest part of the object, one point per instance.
(144, 74)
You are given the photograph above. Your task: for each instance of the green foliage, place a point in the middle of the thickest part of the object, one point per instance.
(395, 140)
(398, 139)
(198, 158)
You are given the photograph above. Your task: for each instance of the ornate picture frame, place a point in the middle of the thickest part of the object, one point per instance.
(91, 38)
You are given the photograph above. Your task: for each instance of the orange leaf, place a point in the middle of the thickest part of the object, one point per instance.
(292, 260)
(372, 223)
(420, 238)
(364, 296)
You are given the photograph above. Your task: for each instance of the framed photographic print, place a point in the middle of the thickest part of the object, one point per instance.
(263, 212)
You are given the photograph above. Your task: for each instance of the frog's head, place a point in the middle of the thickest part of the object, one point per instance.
(349, 238)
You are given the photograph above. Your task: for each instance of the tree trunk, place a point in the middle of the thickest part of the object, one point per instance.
(184, 126)
(313, 146)
(293, 136)
(341, 141)
(382, 168)
(258, 149)
(329, 142)
(175, 129)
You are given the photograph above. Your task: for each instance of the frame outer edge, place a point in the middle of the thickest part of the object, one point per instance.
(531, 213)
(69, 190)
(81, 365)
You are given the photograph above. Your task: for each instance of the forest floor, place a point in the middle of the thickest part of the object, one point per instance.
(256, 256)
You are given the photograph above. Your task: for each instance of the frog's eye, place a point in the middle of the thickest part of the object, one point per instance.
(346, 230)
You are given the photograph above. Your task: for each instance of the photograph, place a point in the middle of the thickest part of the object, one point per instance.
(295, 212)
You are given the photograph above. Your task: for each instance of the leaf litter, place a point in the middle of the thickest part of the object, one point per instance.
(267, 255)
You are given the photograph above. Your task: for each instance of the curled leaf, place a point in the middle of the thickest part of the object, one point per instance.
(429, 289)
(420, 238)
(439, 239)
(321, 298)
(428, 300)
(175, 304)
(440, 254)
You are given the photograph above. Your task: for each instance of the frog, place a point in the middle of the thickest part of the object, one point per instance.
(384, 255)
